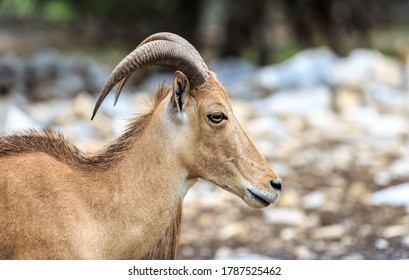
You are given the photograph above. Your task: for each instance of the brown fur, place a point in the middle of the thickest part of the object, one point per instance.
(125, 202)
(55, 144)
(166, 248)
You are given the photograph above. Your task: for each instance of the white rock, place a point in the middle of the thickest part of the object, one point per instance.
(103, 125)
(394, 231)
(230, 231)
(388, 71)
(243, 253)
(352, 71)
(283, 169)
(17, 120)
(354, 256)
(389, 126)
(70, 84)
(78, 132)
(266, 127)
(270, 78)
(329, 232)
(303, 253)
(399, 168)
(95, 76)
(124, 108)
(381, 244)
(237, 76)
(383, 178)
(385, 145)
(323, 121)
(314, 200)
(386, 99)
(3, 114)
(396, 195)
(266, 147)
(346, 98)
(313, 220)
(285, 216)
(152, 83)
(207, 193)
(376, 125)
(242, 256)
(405, 241)
(288, 233)
(361, 67)
(223, 253)
(306, 69)
(51, 112)
(299, 101)
(290, 198)
(405, 151)
(243, 109)
(83, 104)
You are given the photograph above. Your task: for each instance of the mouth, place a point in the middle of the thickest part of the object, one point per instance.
(261, 199)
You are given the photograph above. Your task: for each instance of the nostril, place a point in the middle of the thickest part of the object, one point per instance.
(276, 184)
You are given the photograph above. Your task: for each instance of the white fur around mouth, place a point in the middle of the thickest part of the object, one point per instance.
(262, 197)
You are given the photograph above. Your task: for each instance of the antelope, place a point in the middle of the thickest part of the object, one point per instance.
(125, 201)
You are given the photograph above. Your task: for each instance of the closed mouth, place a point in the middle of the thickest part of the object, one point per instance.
(254, 197)
(261, 198)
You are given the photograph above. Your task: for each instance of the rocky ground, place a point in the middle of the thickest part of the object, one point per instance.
(335, 129)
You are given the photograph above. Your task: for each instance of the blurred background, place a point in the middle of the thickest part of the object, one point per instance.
(321, 86)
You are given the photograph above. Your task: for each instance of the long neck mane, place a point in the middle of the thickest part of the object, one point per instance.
(55, 145)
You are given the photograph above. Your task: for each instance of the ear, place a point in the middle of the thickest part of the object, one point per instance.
(181, 89)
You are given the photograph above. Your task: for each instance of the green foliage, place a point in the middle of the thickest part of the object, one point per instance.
(49, 10)
(122, 11)
(17, 8)
(57, 11)
(117, 12)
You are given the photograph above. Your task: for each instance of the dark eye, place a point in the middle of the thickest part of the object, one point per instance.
(216, 117)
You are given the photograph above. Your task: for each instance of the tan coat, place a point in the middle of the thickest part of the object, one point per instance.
(125, 201)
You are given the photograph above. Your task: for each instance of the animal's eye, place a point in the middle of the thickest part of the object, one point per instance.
(217, 117)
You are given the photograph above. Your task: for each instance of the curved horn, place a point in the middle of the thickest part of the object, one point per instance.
(167, 36)
(158, 52)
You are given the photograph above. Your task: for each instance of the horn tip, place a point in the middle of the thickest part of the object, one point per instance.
(93, 115)
(97, 105)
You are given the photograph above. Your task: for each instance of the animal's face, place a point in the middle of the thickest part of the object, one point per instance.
(215, 147)
(203, 129)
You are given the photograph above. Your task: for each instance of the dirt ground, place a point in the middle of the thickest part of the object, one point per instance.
(345, 227)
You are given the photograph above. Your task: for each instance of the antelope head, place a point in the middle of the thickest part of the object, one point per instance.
(206, 135)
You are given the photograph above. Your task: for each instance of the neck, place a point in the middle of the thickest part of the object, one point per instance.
(166, 247)
(147, 188)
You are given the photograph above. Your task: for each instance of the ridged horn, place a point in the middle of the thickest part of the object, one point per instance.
(167, 36)
(176, 55)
